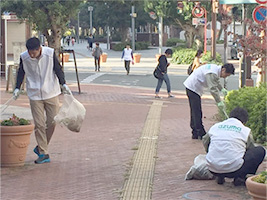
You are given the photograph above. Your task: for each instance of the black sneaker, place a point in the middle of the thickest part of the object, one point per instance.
(220, 180)
(43, 158)
(194, 137)
(239, 181)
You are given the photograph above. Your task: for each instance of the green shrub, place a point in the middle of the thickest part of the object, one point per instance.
(206, 58)
(253, 99)
(171, 42)
(138, 46)
(186, 56)
(220, 42)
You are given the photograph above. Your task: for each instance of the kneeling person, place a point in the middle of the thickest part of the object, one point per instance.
(230, 150)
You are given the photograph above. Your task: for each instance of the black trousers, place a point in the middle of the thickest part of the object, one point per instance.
(97, 63)
(252, 159)
(195, 113)
(127, 65)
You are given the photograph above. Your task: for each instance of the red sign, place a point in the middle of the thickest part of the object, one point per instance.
(260, 14)
(261, 1)
(198, 11)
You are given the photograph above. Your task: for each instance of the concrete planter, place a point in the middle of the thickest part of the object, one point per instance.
(14, 144)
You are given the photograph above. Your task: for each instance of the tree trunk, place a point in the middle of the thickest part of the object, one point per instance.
(54, 40)
(123, 32)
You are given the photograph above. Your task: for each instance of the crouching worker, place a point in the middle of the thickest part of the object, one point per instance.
(230, 150)
(43, 76)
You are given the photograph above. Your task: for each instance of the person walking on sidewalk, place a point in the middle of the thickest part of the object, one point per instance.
(127, 56)
(44, 76)
(230, 149)
(207, 75)
(90, 42)
(97, 52)
(196, 63)
(163, 65)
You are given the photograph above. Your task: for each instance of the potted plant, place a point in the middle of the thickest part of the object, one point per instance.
(15, 138)
(257, 186)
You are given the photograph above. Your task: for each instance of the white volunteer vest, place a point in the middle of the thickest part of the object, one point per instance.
(127, 54)
(197, 81)
(227, 146)
(41, 80)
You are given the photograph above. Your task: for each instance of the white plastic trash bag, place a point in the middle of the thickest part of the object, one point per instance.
(71, 114)
(199, 170)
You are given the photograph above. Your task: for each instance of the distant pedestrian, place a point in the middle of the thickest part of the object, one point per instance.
(206, 76)
(68, 40)
(44, 76)
(90, 42)
(197, 63)
(72, 41)
(163, 65)
(127, 56)
(97, 52)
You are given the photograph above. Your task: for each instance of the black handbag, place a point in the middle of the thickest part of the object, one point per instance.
(157, 73)
(189, 69)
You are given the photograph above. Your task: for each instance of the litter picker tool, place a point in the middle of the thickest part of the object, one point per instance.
(5, 105)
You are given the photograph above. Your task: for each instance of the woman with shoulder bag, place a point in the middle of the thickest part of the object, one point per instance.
(196, 62)
(163, 65)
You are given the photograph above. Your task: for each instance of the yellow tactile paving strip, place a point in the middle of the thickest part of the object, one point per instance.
(140, 182)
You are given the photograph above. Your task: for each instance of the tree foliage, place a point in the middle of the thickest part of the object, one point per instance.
(168, 9)
(48, 17)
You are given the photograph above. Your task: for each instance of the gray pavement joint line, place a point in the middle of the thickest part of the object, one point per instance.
(139, 184)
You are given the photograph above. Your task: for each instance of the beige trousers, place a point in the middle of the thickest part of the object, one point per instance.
(43, 112)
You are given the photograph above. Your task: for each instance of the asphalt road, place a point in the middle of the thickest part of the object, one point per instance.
(132, 80)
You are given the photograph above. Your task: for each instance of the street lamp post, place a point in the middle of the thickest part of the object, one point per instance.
(90, 9)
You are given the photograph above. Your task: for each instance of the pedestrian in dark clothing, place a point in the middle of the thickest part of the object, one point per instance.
(163, 65)
(90, 42)
(97, 52)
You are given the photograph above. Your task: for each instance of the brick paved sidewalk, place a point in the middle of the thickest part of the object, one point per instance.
(95, 163)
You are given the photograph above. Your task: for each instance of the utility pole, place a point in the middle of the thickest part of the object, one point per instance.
(160, 33)
(242, 73)
(133, 15)
(215, 7)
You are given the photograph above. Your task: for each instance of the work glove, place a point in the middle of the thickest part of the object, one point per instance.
(16, 94)
(66, 89)
(224, 92)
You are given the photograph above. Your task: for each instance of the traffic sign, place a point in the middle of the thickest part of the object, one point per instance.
(261, 1)
(260, 14)
(198, 11)
(198, 21)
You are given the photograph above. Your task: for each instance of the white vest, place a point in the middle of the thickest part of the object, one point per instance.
(127, 54)
(227, 146)
(197, 81)
(41, 80)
